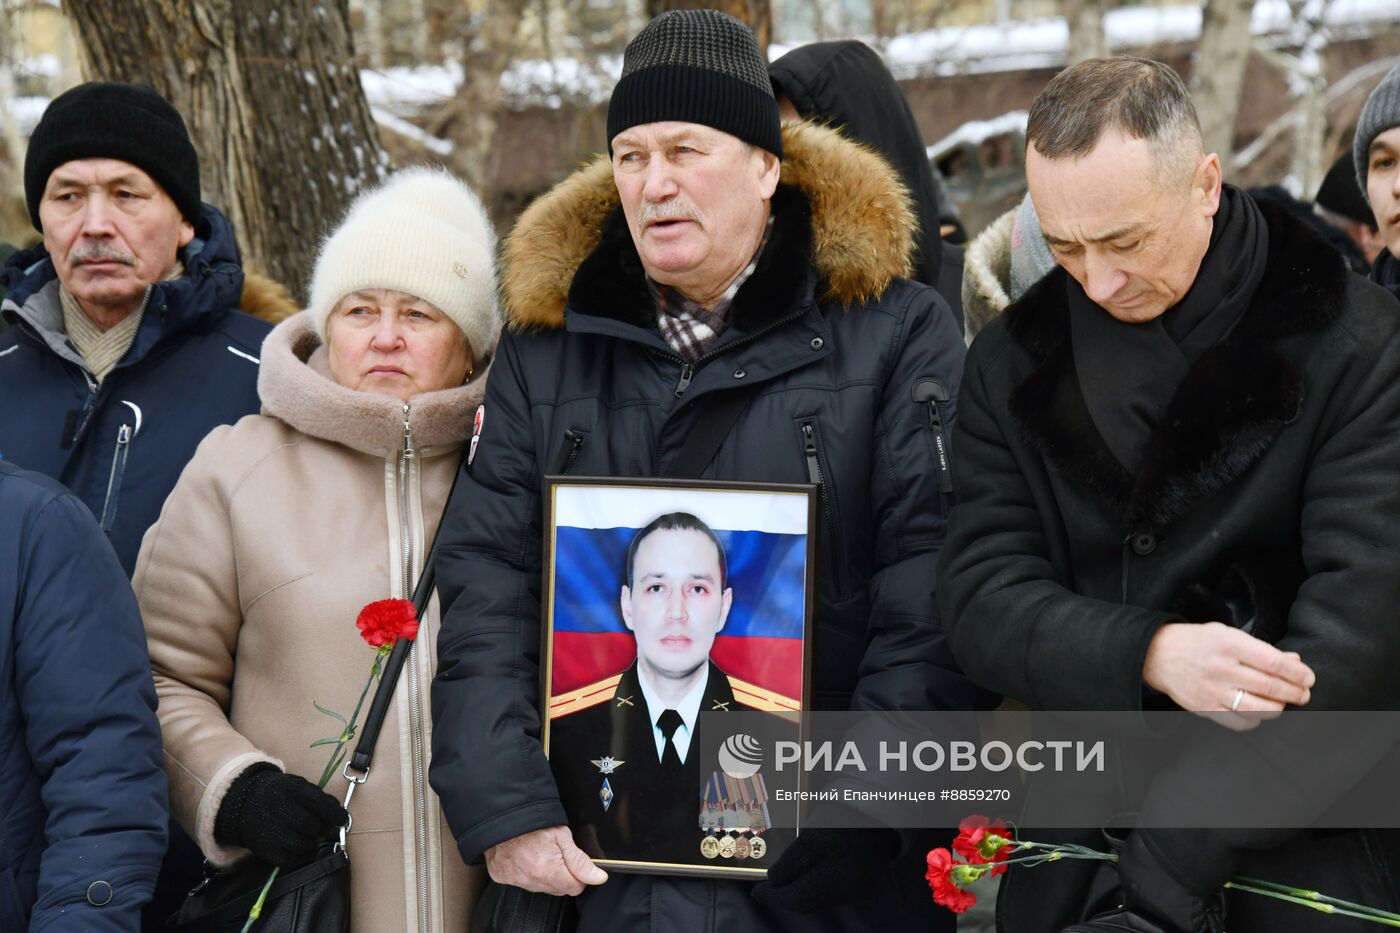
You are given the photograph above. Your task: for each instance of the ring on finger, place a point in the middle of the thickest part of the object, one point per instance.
(1239, 698)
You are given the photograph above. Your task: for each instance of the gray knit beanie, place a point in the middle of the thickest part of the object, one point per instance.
(1031, 258)
(697, 66)
(1382, 111)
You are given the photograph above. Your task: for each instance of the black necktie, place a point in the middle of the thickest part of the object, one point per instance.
(668, 722)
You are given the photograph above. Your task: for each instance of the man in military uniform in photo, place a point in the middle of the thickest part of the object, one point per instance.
(622, 749)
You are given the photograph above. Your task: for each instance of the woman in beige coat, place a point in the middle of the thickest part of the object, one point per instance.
(285, 524)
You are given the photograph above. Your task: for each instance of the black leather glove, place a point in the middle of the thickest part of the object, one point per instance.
(1151, 889)
(281, 818)
(826, 867)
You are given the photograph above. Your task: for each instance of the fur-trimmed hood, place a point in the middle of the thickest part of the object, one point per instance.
(295, 386)
(1234, 401)
(265, 298)
(842, 198)
(986, 285)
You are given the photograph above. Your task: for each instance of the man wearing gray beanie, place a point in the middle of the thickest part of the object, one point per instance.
(1376, 150)
(727, 297)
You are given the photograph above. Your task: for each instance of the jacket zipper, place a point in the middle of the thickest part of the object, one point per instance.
(687, 371)
(415, 713)
(1127, 543)
(114, 479)
(815, 477)
(688, 368)
(568, 452)
(77, 420)
(933, 392)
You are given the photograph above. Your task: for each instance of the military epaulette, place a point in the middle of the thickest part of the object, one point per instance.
(584, 697)
(755, 697)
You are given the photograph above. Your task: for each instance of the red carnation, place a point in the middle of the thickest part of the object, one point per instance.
(384, 622)
(945, 891)
(983, 842)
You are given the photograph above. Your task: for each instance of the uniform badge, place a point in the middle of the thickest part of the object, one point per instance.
(608, 764)
(758, 848)
(605, 794)
(476, 432)
(625, 701)
(720, 706)
(709, 847)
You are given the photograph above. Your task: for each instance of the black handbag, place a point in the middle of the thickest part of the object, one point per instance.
(504, 908)
(314, 898)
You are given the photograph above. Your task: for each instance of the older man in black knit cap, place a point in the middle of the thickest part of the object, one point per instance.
(126, 347)
(718, 274)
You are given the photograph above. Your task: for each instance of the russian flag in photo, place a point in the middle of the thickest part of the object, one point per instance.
(761, 642)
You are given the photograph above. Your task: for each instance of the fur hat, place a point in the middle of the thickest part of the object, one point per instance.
(422, 232)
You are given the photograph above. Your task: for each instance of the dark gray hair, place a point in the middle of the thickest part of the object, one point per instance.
(678, 521)
(1141, 98)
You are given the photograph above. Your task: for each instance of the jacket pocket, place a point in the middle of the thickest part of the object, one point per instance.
(114, 478)
(934, 393)
(831, 546)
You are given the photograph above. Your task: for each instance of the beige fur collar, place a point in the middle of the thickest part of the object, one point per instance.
(295, 386)
(863, 225)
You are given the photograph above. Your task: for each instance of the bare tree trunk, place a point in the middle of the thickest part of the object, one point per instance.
(877, 19)
(1306, 72)
(13, 176)
(756, 14)
(475, 110)
(272, 97)
(1086, 32)
(1217, 73)
(373, 30)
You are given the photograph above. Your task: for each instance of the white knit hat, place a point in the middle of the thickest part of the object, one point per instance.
(422, 232)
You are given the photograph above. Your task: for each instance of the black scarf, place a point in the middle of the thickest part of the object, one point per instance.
(1386, 272)
(1129, 372)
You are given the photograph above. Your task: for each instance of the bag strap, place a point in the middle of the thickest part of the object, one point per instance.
(713, 422)
(393, 665)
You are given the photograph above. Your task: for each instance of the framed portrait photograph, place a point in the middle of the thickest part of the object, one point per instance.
(664, 600)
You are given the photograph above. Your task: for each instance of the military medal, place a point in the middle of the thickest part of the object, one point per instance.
(758, 848)
(608, 764)
(605, 794)
(741, 847)
(727, 847)
(709, 847)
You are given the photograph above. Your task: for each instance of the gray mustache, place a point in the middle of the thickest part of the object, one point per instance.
(99, 252)
(669, 210)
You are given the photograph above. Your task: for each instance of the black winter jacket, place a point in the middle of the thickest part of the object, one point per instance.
(120, 447)
(595, 391)
(83, 813)
(1273, 471)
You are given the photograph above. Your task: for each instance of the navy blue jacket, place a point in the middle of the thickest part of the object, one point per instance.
(83, 812)
(192, 366)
